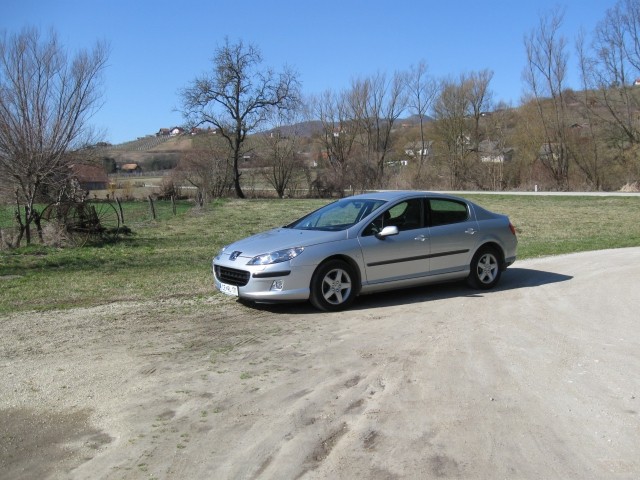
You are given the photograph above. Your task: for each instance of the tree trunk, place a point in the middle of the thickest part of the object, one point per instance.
(236, 171)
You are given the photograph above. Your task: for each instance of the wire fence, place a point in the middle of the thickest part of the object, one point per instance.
(130, 214)
(135, 213)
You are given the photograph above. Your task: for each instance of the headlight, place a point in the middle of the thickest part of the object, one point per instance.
(221, 252)
(276, 257)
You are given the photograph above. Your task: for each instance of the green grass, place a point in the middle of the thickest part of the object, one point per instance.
(553, 225)
(134, 212)
(172, 257)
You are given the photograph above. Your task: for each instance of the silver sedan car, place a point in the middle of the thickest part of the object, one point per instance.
(368, 243)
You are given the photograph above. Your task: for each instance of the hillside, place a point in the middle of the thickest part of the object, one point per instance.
(150, 152)
(152, 143)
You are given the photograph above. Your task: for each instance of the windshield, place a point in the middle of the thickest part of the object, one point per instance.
(338, 215)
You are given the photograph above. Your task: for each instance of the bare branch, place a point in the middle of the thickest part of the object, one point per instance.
(46, 102)
(237, 96)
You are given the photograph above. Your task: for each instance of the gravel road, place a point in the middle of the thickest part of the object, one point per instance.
(537, 379)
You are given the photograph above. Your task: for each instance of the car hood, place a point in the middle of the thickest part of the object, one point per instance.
(280, 239)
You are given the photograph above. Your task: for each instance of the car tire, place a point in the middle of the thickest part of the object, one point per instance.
(333, 286)
(485, 269)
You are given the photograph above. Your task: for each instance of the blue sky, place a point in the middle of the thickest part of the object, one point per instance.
(158, 47)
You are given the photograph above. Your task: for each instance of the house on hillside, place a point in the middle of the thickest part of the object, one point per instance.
(170, 132)
(416, 149)
(490, 152)
(131, 168)
(203, 131)
(90, 177)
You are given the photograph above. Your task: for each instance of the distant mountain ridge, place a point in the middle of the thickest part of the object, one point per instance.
(305, 129)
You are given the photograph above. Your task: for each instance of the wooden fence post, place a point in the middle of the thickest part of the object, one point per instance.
(153, 208)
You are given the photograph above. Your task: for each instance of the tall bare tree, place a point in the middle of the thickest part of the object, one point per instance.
(237, 97)
(498, 126)
(546, 75)
(586, 146)
(609, 70)
(613, 67)
(46, 101)
(422, 90)
(376, 103)
(451, 111)
(337, 138)
(480, 99)
(280, 150)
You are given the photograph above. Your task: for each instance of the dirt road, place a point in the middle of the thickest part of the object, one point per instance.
(538, 379)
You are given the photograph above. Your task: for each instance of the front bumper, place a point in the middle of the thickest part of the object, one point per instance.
(270, 283)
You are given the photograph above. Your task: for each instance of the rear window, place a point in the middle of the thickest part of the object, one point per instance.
(445, 212)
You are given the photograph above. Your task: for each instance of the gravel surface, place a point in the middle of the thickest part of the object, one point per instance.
(539, 378)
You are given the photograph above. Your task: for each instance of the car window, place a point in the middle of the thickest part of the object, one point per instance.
(406, 215)
(338, 215)
(377, 225)
(445, 212)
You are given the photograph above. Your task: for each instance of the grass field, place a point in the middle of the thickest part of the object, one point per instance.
(172, 257)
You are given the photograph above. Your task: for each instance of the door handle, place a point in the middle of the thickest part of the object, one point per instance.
(470, 231)
(421, 238)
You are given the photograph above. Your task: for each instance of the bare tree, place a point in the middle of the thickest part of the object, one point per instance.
(609, 69)
(46, 102)
(422, 90)
(337, 139)
(280, 148)
(546, 75)
(526, 137)
(376, 103)
(207, 168)
(585, 143)
(458, 109)
(451, 112)
(480, 99)
(237, 96)
(612, 69)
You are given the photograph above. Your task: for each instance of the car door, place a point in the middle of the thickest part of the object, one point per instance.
(452, 233)
(401, 256)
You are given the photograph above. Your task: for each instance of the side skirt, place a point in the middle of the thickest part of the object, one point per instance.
(413, 282)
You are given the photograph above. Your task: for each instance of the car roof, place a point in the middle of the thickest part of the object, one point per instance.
(392, 195)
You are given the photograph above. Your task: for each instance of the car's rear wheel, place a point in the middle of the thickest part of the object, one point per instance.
(485, 269)
(332, 286)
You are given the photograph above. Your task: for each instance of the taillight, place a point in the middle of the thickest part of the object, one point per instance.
(512, 228)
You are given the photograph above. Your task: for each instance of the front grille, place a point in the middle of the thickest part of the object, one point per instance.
(232, 276)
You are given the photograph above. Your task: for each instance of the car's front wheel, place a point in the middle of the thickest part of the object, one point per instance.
(333, 286)
(485, 269)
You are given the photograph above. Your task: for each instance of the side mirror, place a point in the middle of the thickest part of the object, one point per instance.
(387, 232)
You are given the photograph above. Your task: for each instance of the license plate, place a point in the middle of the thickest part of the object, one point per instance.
(229, 289)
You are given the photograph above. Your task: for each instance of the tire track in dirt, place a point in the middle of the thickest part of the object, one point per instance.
(426, 383)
